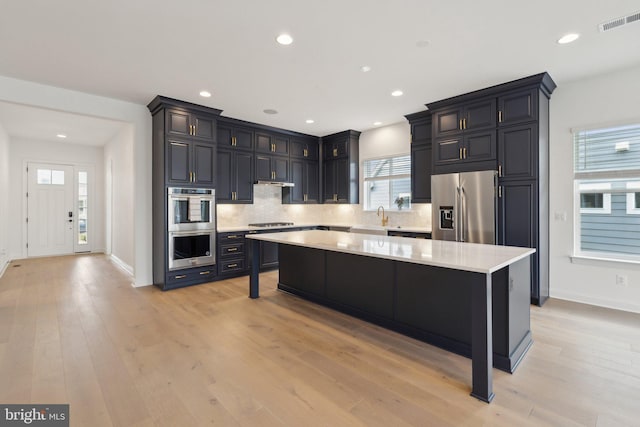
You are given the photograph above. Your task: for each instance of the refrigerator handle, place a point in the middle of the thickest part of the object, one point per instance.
(463, 216)
(457, 220)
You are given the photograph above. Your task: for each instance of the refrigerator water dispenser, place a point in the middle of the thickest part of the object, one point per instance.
(446, 217)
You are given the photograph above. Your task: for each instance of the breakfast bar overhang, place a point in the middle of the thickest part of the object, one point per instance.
(471, 299)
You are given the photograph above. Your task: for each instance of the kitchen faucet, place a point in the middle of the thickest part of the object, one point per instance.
(385, 220)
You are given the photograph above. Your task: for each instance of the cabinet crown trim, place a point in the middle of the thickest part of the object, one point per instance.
(542, 81)
(160, 102)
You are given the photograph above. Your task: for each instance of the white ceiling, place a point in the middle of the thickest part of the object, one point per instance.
(134, 50)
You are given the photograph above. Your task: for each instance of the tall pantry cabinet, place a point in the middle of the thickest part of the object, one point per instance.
(504, 128)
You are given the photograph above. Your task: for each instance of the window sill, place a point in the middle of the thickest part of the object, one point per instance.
(601, 261)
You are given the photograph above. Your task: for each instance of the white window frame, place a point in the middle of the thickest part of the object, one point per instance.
(579, 178)
(632, 209)
(591, 188)
(367, 181)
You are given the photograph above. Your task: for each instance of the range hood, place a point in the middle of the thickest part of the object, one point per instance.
(275, 183)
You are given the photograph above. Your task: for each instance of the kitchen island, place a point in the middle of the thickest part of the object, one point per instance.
(470, 299)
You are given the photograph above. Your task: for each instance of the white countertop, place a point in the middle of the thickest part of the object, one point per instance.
(411, 229)
(473, 257)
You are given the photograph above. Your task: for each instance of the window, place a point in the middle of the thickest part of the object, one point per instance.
(387, 183)
(607, 192)
(633, 198)
(48, 177)
(593, 198)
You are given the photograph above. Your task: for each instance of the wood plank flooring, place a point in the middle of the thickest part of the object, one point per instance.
(73, 330)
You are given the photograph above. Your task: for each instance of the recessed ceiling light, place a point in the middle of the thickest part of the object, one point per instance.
(61, 135)
(568, 38)
(309, 121)
(365, 68)
(422, 43)
(205, 94)
(377, 123)
(396, 93)
(284, 39)
(270, 111)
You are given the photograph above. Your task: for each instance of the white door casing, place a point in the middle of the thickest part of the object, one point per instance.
(50, 199)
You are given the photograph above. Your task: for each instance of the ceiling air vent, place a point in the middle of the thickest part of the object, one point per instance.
(618, 22)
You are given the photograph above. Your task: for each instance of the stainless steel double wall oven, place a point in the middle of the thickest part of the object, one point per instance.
(191, 227)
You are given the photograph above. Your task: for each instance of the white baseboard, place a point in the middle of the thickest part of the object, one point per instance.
(600, 302)
(123, 265)
(4, 263)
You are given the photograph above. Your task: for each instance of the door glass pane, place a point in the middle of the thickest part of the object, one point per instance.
(44, 176)
(82, 208)
(57, 177)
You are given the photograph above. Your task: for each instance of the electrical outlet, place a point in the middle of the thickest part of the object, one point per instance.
(622, 280)
(560, 216)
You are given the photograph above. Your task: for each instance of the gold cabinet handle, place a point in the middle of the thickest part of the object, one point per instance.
(500, 191)
(232, 265)
(500, 116)
(464, 153)
(233, 236)
(232, 249)
(202, 273)
(500, 170)
(460, 124)
(335, 152)
(233, 141)
(460, 153)
(194, 177)
(305, 153)
(181, 276)
(464, 122)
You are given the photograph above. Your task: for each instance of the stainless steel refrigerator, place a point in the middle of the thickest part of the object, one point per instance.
(464, 206)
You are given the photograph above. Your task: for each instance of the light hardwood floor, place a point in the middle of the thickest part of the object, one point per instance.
(73, 330)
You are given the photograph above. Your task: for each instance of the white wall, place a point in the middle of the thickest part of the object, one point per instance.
(4, 199)
(119, 197)
(22, 92)
(603, 100)
(22, 151)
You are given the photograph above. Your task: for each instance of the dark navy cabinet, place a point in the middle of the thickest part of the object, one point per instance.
(340, 168)
(272, 168)
(421, 156)
(183, 155)
(304, 175)
(190, 163)
(234, 137)
(505, 128)
(235, 176)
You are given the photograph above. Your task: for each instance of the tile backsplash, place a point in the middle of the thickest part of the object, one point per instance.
(267, 207)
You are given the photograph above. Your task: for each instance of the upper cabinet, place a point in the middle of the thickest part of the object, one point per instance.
(184, 149)
(304, 149)
(341, 167)
(517, 107)
(421, 156)
(234, 137)
(304, 172)
(461, 118)
(273, 144)
(180, 122)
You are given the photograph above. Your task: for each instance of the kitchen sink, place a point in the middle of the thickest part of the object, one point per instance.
(369, 229)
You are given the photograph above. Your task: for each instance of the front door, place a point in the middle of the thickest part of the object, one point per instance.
(50, 209)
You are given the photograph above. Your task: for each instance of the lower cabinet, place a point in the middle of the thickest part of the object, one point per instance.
(518, 225)
(268, 255)
(413, 234)
(189, 276)
(430, 303)
(232, 254)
